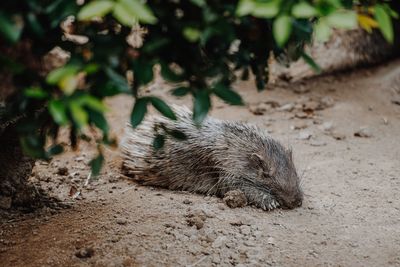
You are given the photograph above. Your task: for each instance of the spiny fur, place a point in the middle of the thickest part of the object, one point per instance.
(216, 157)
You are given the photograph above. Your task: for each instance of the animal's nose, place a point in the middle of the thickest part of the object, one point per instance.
(298, 203)
(294, 204)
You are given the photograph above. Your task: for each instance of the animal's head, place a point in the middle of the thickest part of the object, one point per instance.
(276, 170)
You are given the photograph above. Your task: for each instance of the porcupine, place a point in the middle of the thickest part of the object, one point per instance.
(216, 157)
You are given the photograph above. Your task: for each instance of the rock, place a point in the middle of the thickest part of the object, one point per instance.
(187, 202)
(115, 239)
(304, 135)
(301, 89)
(5, 202)
(218, 242)
(249, 243)
(62, 171)
(326, 126)
(197, 219)
(272, 103)
(363, 132)
(79, 159)
(245, 230)
(271, 240)
(338, 135)
(84, 253)
(301, 115)
(287, 107)
(311, 105)
(216, 258)
(235, 199)
(317, 143)
(299, 125)
(122, 221)
(326, 102)
(259, 109)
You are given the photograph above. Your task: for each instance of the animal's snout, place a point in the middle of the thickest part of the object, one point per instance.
(293, 204)
(298, 203)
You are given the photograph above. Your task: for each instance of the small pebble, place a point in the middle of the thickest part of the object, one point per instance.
(363, 132)
(84, 253)
(304, 136)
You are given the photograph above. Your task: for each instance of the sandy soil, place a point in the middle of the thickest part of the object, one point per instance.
(350, 216)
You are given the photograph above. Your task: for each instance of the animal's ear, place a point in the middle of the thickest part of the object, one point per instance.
(260, 162)
(257, 160)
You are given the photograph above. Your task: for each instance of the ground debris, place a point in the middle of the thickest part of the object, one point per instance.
(62, 171)
(235, 199)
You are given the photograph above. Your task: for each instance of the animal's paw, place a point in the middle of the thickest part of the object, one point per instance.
(267, 203)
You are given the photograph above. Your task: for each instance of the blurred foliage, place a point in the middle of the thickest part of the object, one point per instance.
(202, 47)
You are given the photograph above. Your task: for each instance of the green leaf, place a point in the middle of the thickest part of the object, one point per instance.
(168, 74)
(117, 80)
(36, 92)
(96, 164)
(68, 84)
(266, 10)
(57, 110)
(158, 141)
(123, 15)
(199, 3)
(162, 107)
(335, 3)
(282, 28)
(201, 106)
(139, 11)
(228, 95)
(322, 31)
(98, 119)
(191, 34)
(344, 19)
(93, 9)
(10, 30)
(180, 91)
(385, 23)
(154, 45)
(55, 76)
(79, 115)
(34, 24)
(93, 103)
(310, 61)
(391, 12)
(138, 112)
(303, 10)
(91, 68)
(143, 72)
(245, 7)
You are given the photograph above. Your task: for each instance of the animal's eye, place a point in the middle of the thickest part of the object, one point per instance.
(271, 171)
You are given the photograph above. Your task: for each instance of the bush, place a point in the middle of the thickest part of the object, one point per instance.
(202, 46)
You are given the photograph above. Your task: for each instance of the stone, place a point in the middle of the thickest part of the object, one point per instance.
(363, 132)
(304, 135)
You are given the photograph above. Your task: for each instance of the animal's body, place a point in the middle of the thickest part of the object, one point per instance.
(216, 157)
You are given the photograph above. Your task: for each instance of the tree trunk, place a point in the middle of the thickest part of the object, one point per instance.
(15, 168)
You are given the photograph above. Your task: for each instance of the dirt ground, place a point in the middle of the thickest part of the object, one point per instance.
(344, 130)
